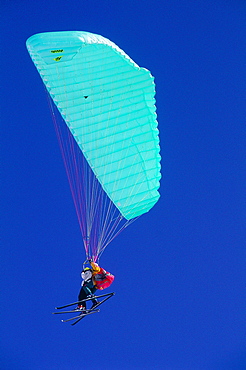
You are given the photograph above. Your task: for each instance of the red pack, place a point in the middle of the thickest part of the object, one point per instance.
(103, 279)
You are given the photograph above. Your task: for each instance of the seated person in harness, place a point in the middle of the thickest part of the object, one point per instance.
(93, 278)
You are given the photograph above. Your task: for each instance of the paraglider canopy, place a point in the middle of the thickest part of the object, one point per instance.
(107, 102)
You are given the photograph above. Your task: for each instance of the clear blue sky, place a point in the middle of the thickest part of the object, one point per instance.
(180, 269)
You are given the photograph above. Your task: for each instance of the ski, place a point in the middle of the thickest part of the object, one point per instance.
(80, 317)
(84, 300)
(71, 311)
(81, 314)
(94, 309)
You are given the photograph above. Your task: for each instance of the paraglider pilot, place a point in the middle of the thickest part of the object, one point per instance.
(93, 278)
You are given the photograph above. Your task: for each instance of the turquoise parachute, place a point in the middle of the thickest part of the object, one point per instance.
(107, 102)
